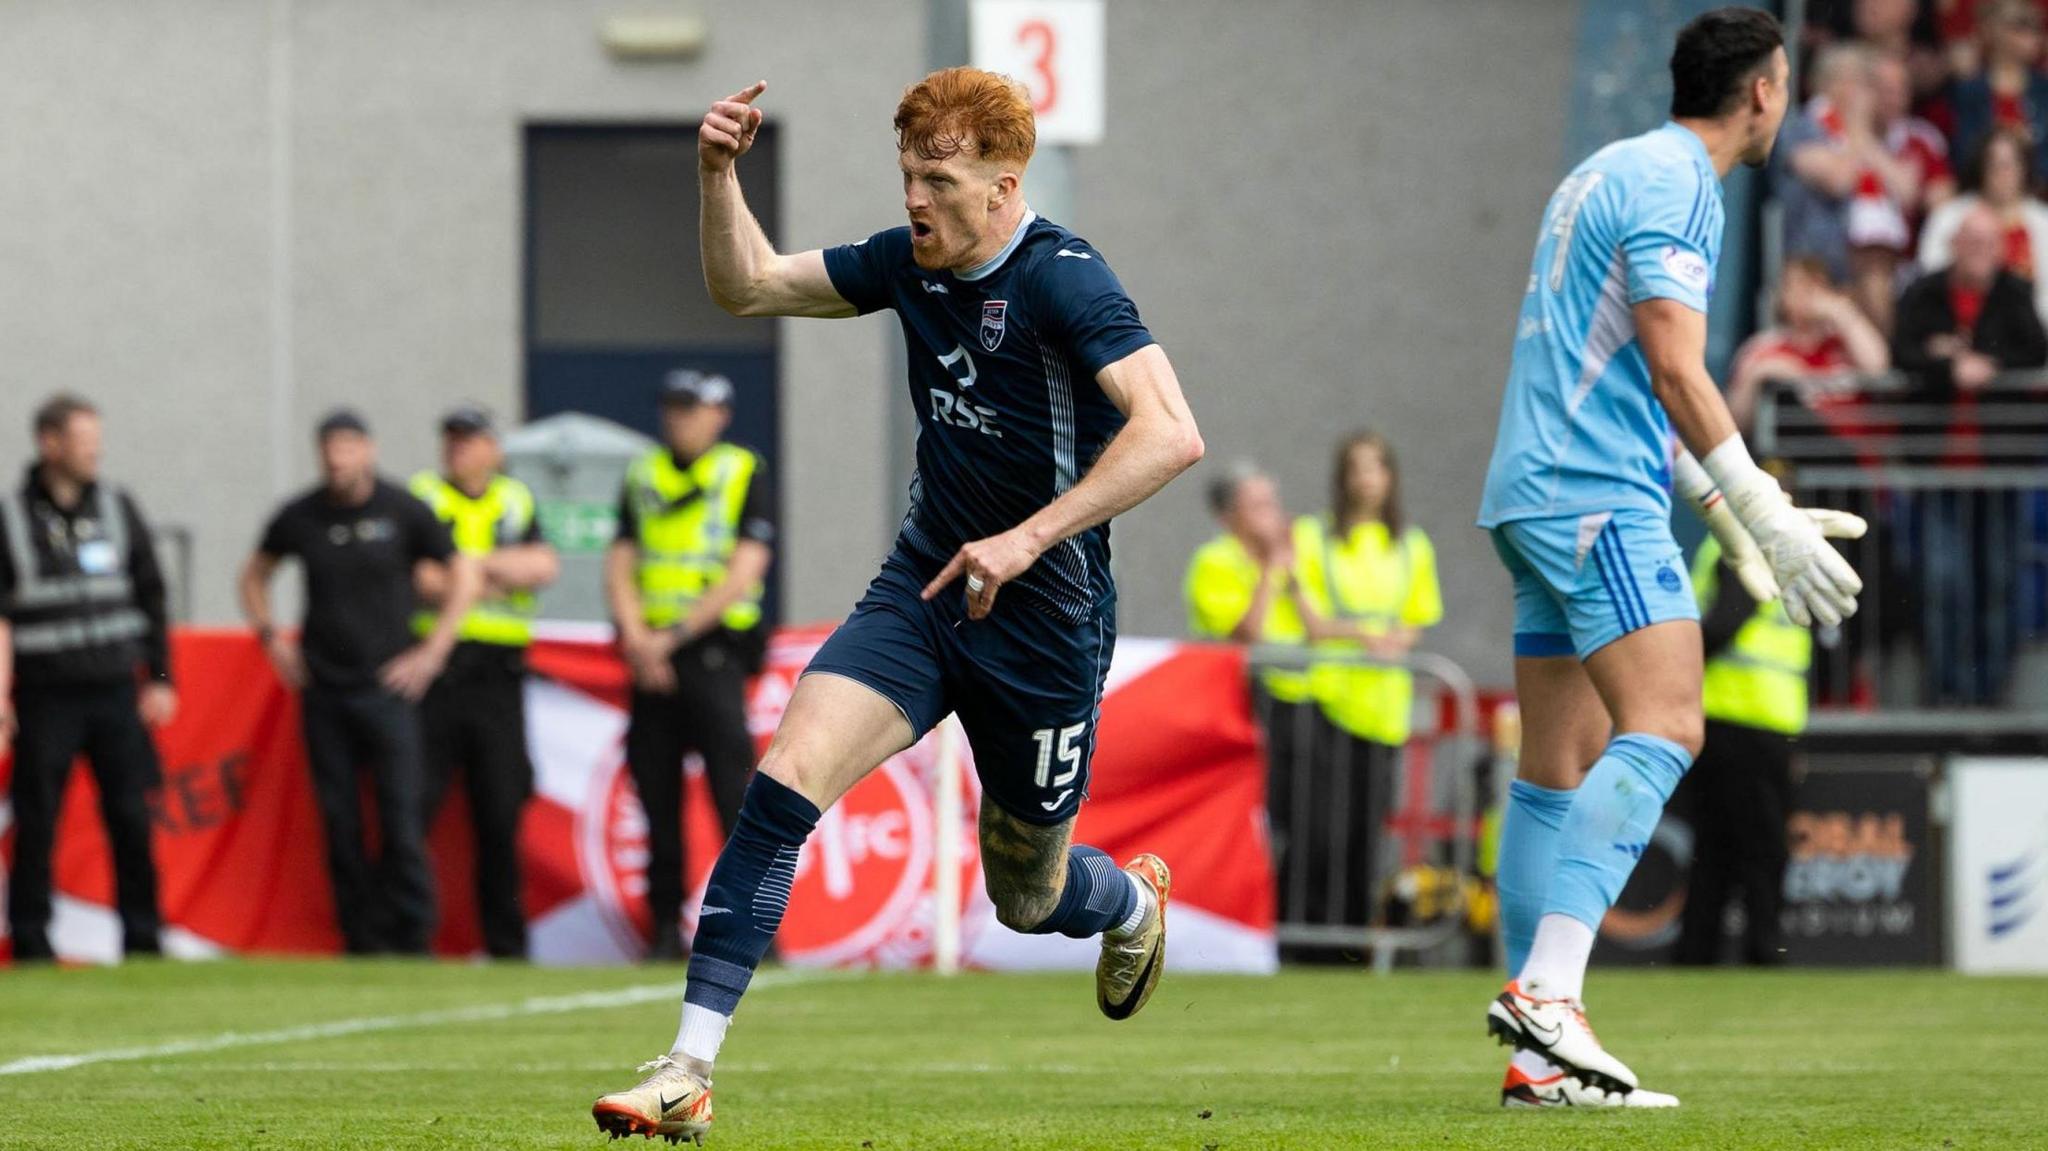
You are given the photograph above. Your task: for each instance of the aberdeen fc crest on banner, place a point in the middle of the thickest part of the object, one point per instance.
(992, 315)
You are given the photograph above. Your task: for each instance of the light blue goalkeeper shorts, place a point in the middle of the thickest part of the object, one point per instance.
(1582, 582)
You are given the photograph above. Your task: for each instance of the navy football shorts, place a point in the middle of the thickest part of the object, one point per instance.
(1027, 686)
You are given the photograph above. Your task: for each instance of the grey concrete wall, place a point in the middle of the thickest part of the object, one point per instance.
(223, 216)
(1325, 212)
(212, 280)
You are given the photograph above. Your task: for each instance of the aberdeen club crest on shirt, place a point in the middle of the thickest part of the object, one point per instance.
(992, 316)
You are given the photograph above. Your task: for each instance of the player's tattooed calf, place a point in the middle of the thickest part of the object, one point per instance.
(1024, 866)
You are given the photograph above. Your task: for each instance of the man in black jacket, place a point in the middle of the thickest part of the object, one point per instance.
(1959, 327)
(1957, 330)
(361, 540)
(84, 640)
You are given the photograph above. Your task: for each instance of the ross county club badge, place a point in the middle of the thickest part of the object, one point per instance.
(992, 316)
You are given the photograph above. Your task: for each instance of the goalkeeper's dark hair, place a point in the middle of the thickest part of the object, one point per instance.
(1716, 57)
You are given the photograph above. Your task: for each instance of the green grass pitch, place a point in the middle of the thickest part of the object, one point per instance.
(421, 1055)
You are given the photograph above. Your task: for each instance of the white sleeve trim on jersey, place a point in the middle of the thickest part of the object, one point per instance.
(1613, 326)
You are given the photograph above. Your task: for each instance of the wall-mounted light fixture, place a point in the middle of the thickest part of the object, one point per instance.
(655, 35)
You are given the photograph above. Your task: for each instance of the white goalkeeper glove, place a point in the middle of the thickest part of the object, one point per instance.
(1812, 579)
(1738, 549)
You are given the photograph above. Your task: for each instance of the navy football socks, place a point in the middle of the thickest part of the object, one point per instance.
(748, 892)
(1097, 897)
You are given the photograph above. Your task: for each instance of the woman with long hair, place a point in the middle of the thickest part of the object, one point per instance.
(1369, 588)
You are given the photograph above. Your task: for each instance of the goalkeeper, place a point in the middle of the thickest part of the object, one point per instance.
(1609, 359)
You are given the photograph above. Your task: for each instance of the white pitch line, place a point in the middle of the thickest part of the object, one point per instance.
(482, 1013)
(745, 1067)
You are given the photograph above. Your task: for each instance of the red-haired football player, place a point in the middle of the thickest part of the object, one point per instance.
(1044, 408)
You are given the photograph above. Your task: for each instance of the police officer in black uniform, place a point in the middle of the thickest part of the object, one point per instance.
(474, 717)
(81, 614)
(684, 583)
(362, 540)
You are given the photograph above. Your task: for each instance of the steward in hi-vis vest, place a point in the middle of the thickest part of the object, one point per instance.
(474, 717)
(1739, 792)
(82, 616)
(1241, 586)
(684, 580)
(1368, 590)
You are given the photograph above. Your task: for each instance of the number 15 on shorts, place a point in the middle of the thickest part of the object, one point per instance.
(1063, 744)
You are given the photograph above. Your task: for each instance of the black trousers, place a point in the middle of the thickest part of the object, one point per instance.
(708, 715)
(388, 905)
(1739, 791)
(1326, 802)
(474, 722)
(58, 723)
(1291, 731)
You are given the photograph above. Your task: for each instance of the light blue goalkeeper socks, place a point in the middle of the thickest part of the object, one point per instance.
(1612, 815)
(1528, 859)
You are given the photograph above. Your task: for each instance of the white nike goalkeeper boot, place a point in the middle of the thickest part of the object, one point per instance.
(1557, 1030)
(672, 1102)
(1560, 1088)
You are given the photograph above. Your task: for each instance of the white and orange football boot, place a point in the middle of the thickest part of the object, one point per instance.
(1559, 1088)
(672, 1102)
(1129, 969)
(1557, 1030)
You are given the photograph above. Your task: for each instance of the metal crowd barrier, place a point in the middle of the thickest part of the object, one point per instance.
(1432, 813)
(1954, 613)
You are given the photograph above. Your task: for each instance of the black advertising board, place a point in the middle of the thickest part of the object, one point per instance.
(1862, 889)
(1864, 885)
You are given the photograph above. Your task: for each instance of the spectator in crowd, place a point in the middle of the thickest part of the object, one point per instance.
(683, 580)
(1369, 589)
(1958, 330)
(1841, 188)
(1914, 143)
(1821, 342)
(1898, 29)
(1959, 327)
(1997, 182)
(1241, 588)
(360, 540)
(474, 717)
(1959, 28)
(82, 624)
(1739, 791)
(2009, 91)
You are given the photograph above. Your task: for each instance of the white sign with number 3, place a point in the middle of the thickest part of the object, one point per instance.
(1056, 48)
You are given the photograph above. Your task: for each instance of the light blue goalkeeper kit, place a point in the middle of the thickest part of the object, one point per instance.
(1578, 494)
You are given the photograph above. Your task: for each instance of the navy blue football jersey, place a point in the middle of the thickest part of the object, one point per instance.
(1003, 361)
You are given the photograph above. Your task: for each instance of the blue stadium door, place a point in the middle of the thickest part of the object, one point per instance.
(614, 287)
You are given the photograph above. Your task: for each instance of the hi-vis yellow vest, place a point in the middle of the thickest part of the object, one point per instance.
(499, 517)
(689, 521)
(1759, 679)
(1383, 584)
(1221, 579)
